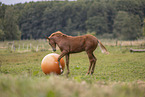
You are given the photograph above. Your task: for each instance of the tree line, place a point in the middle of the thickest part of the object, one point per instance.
(120, 19)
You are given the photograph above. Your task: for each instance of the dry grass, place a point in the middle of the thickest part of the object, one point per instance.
(124, 43)
(42, 44)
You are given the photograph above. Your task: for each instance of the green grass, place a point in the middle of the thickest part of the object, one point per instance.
(119, 74)
(55, 86)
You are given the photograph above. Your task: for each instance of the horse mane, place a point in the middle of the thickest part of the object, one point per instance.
(59, 33)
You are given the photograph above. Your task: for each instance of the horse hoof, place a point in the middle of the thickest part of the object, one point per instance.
(87, 74)
(68, 72)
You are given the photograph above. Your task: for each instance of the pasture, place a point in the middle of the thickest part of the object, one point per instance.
(119, 74)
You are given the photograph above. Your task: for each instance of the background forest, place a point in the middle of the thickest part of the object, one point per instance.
(118, 19)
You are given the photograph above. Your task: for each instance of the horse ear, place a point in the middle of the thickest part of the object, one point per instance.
(63, 35)
(47, 38)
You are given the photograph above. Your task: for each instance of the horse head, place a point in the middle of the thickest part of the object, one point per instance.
(52, 38)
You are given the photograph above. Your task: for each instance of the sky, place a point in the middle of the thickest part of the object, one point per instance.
(9, 2)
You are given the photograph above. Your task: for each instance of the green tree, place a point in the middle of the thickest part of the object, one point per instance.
(110, 15)
(2, 14)
(40, 19)
(1, 35)
(1, 31)
(144, 28)
(52, 19)
(136, 7)
(2, 10)
(127, 26)
(11, 29)
(97, 24)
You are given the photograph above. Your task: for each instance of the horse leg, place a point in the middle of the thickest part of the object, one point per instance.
(63, 53)
(94, 63)
(67, 64)
(91, 59)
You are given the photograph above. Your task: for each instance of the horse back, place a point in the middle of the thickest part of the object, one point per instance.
(80, 43)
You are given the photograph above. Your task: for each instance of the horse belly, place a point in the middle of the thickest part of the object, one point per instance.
(77, 48)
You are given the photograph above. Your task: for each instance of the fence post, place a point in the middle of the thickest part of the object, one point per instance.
(30, 45)
(0, 65)
(116, 42)
(19, 48)
(120, 44)
(12, 47)
(23, 45)
(27, 46)
(131, 43)
(37, 48)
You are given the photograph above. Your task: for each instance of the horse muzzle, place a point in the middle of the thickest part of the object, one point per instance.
(54, 49)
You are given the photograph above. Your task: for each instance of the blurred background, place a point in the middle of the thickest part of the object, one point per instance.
(35, 19)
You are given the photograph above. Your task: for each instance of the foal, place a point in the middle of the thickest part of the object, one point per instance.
(69, 44)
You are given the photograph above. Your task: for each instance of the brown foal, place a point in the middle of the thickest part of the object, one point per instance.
(69, 44)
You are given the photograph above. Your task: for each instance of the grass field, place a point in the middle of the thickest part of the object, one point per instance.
(119, 74)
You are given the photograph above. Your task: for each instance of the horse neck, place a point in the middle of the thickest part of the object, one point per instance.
(58, 39)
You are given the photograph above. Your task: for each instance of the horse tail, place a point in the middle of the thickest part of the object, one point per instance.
(102, 47)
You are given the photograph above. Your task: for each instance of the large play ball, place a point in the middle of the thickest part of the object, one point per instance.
(50, 64)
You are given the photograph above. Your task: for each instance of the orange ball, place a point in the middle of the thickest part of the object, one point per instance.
(50, 64)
